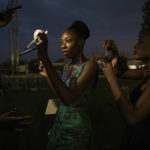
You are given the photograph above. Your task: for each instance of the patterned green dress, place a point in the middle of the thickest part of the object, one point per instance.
(72, 126)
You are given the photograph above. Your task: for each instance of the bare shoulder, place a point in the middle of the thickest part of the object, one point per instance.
(90, 69)
(89, 73)
(91, 64)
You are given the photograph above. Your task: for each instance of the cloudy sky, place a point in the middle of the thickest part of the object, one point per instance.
(119, 20)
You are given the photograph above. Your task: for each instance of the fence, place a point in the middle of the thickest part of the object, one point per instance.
(29, 81)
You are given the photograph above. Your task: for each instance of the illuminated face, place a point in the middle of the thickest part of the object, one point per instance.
(70, 44)
(142, 49)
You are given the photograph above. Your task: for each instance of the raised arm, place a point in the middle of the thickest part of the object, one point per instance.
(133, 114)
(67, 95)
(121, 71)
(45, 75)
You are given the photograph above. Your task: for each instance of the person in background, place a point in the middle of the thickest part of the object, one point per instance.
(136, 111)
(72, 127)
(7, 120)
(5, 18)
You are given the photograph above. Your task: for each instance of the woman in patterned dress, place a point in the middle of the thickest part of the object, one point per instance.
(72, 126)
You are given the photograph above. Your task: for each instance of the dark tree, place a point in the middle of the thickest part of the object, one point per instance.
(146, 18)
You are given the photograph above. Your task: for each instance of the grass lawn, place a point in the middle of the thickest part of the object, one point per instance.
(108, 124)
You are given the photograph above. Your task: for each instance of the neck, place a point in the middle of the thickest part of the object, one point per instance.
(78, 59)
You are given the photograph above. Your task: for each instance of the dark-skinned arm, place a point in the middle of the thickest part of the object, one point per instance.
(45, 75)
(67, 95)
(132, 114)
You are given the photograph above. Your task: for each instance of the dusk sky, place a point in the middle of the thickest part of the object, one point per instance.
(119, 20)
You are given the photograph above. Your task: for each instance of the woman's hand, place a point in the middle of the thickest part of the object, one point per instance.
(9, 122)
(109, 71)
(42, 70)
(41, 43)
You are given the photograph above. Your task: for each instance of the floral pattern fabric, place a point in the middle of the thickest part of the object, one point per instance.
(72, 126)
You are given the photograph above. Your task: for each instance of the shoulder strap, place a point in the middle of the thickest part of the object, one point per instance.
(64, 71)
(80, 69)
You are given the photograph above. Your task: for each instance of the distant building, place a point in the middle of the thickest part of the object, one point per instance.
(23, 69)
(135, 64)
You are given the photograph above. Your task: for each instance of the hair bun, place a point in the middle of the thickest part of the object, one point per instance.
(81, 28)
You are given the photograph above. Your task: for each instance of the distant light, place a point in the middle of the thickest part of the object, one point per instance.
(143, 65)
(132, 67)
(99, 61)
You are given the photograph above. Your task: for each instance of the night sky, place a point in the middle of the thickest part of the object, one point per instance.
(119, 20)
